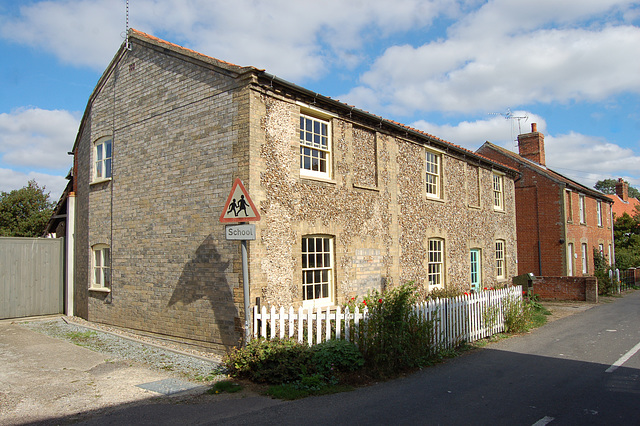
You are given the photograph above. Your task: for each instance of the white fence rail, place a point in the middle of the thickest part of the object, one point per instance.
(464, 318)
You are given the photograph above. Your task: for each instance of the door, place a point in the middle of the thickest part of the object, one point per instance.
(475, 269)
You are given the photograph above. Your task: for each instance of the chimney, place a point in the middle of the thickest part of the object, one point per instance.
(622, 189)
(531, 145)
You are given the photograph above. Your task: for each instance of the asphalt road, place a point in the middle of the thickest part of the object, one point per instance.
(579, 370)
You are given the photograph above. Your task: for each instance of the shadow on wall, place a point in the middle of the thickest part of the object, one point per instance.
(204, 277)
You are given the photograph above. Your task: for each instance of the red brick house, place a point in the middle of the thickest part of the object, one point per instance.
(622, 203)
(559, 222)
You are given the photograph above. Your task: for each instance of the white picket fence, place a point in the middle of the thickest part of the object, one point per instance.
(458, 319)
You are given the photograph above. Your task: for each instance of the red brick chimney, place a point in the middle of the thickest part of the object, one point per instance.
(531, 145)
(622, 189)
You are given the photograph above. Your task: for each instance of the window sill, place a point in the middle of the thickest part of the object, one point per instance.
(100, 289)
(434, 198)
(97, 181)
(315, 180)
(366, 187)
(497, 210)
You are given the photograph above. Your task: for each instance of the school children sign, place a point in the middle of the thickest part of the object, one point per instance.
(239, 207)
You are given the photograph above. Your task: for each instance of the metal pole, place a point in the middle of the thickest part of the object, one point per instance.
(245, 287)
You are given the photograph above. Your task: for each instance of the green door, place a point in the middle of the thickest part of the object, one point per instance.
(475, 269)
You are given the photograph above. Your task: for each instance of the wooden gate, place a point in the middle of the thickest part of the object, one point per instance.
(31, 277)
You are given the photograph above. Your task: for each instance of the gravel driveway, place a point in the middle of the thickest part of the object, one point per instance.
(62, 370)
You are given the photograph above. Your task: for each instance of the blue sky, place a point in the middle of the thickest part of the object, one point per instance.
(451, 68)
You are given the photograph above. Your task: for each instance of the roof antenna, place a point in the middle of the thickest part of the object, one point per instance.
(127, 45)
(509, 116)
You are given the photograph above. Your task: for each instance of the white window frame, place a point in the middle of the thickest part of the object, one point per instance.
(433, 166)
(100, 267)
(585, 259)
(435, 266)
(599, 212)
(102, 163)
(310, 149)
(317, 279)
(501, 265)
(570, 259)
(583, 218)
(498, 191)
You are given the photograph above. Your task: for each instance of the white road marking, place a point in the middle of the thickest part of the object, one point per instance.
(624, 358)
(543, 421)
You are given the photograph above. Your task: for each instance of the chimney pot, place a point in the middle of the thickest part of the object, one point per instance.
(534, 127)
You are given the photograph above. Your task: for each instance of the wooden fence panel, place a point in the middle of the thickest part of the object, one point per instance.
(31, 277)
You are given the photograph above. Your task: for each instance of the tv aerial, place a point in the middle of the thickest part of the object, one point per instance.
(509, 115)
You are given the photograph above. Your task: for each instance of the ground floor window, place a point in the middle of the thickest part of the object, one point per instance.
(570, 259)
(435, 268)
(317, 269)
(101, 266)
(501, 271)
(585, 259)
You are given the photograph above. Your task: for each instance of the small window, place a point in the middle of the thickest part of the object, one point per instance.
(569, 207)
(498, 191)
(317, 270)
(501, 271)
(585, 259)
(315, 147)
(102, 151)
(436, 263)
(434, 168)
(582, 213)
(599, 213)
(570, 259)
(101, 267)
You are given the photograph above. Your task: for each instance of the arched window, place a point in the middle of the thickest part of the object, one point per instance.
(102, 159)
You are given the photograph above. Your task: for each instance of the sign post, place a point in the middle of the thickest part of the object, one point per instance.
(239, 208)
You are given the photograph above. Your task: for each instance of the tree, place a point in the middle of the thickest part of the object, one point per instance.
(626, 232)
(608, 186)
(25, 212)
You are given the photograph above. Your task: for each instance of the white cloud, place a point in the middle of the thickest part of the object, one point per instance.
(296, 40)
(37, 138)
(11, 179)
(502, 55)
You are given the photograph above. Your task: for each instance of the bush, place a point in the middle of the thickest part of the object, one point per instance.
(337, 356)
(394, 338)
(270, 361)
(517, 315)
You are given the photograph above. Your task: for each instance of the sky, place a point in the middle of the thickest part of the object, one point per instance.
(465, 71)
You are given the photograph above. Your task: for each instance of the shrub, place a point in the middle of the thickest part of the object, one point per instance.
(270, 361)
(394, 337)
(337, 356)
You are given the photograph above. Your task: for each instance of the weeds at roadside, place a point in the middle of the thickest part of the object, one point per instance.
(224, 386)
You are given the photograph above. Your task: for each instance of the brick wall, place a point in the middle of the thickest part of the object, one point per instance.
(566, 288)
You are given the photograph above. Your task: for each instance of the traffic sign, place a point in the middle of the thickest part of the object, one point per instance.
(239, 207)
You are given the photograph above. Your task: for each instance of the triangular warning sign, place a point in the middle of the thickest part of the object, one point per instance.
(239, 207)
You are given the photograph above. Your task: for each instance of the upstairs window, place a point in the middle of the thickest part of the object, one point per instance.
(101, 278)
(433, 161)
(569, 206)
(599, 213)
(498, 191)
(582, 213)
(317, 270)
(315, 147)
(102, 152)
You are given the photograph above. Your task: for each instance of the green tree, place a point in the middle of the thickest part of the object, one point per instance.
(25, 212)
(608, 186)
(626, 233)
